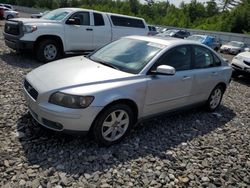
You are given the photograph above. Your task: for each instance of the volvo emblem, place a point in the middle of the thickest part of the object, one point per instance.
(29, 88)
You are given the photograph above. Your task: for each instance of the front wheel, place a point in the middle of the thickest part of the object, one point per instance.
(215, 98)
(9, 17)
(48, 50)
(235, 74)
(113, 124)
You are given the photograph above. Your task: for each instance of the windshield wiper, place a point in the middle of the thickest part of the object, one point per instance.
(105, 63)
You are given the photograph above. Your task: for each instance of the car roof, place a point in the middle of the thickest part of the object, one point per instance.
(237, 41)
(108, 13)
(163, 40)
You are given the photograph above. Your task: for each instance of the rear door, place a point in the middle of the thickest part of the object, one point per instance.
(207, 73)
(79, 36)
(165, 92)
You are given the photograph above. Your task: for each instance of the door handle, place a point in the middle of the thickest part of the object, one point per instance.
(89, 29)
(186, 78)
(215, 73)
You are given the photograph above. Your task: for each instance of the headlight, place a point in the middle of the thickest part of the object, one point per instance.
(29, 28)
(70, 101)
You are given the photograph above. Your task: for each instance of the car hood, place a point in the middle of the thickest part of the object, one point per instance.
(245, 56)
(11, 11)
(229, 46)
(72, 72)
(34, 20)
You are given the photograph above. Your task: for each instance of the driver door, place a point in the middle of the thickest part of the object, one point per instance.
(168, 92)
(79, 35)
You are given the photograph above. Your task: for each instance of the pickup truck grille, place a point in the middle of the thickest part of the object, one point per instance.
(12, 28)
(33, 93)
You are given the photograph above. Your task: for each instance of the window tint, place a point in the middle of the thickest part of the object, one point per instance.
(217, 61)
(203, 58)
(98, 19)
(83, 18)
(127, 22)
(179, 58)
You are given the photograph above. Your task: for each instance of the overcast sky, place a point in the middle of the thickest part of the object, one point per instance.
(178, 2)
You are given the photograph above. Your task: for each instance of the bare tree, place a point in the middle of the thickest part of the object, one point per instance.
(229, 4)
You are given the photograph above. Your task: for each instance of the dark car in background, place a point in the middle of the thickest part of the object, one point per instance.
(177, 33)
(152, 30)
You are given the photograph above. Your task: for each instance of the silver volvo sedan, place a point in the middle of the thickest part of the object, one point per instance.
(124, 82)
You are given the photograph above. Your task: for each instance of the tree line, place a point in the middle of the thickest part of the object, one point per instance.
(217, 15)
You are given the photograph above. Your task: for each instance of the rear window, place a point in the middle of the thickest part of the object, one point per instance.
(127, 22)
(98, 19)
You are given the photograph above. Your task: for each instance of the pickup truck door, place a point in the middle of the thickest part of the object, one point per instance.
(102, 30)
(79, 34)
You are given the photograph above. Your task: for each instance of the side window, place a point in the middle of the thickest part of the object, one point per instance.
(82, 18)
(179, 58)
(203, 58)
(98, 19)
(217, 61)
(127, 22)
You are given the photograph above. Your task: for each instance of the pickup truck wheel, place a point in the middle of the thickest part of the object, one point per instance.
(9, 17)
(48, 50)
(113, 124)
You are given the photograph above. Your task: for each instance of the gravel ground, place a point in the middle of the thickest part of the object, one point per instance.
(191, 149)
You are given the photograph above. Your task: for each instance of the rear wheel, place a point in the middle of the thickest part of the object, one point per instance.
(113, 124)
(215, 98)
(48, 50)
(10, 17)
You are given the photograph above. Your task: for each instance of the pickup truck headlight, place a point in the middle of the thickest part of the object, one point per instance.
(29, 28)
(70, 101)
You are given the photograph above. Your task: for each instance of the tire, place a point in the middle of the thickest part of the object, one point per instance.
(235, 74)
(106, 128)
(9, 17)
(48, 50)
(215, 98)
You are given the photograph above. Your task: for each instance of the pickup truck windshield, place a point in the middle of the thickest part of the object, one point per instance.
(58, 15)
(128, 55)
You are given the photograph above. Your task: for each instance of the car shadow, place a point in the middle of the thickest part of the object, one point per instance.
(243, 79)
(78, 155)
(23, 60)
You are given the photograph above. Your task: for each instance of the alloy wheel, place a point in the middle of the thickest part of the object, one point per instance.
(115, 125)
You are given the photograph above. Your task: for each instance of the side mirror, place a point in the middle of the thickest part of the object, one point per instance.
(165, 69)
(73, 21)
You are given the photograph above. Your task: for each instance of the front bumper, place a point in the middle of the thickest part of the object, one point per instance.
(60, 118)
(240, 66)
(15, 43)
(229, 51)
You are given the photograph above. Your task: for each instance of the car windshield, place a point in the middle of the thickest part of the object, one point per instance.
(58, 15)
(196, 38)
(235, 44)
(168, 32)
(128, 55)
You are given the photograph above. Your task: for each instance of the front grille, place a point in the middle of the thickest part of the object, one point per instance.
(238, 67)
(247, 63)
(33, 93)
(12, 28)
(52, 124)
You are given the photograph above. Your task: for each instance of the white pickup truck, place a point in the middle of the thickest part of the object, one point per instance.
(69, 30)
